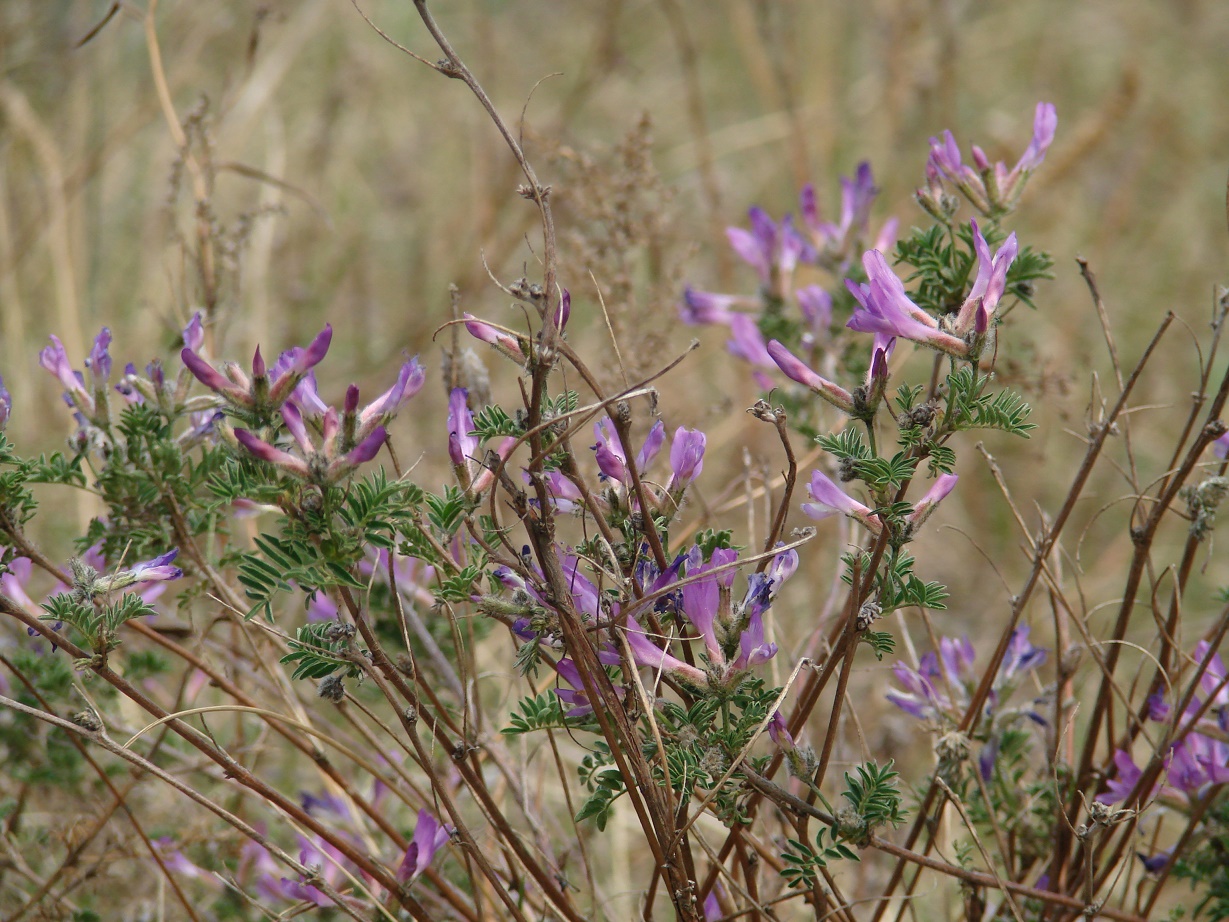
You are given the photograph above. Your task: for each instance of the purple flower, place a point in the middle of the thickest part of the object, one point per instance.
(1021, 656)
(612, 457)
(157, 570)
(91, 404)
(296, 467)
(988, 286)
(712, 904)
(328, 805)
(797, 370)
(266, 389)
(816, 306)
(856, 197)
(686, 457)
(647, 653)
(753, 648)
(1120, 787)
(920, 697)
(380, 411)
(98, 362)
(707, 307)
(1213, 680)
(564, 494)
(461, 445)
(194, 333)
(773, 250)
(176, 861)
(834, 243)
(13, 583)
(327, 464)
(828, 499)
(1220, 447)
(926, 505)
(503, 341)
(885, 308)
(1155, 864)
(429, 837)
(563, 311)
(991, 188)
(576, 695)
(778, 731)
(6, 405)
(747, 342)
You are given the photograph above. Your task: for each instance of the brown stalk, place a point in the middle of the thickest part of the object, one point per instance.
(1042, 550)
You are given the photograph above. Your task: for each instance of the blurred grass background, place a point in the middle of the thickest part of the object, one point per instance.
(657, 124)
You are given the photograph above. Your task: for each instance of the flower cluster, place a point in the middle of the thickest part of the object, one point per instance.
(938, 691)
(991, 188)
(463, 446)
(828, 499)
(614, 466)
(287, 392)
(777, 251)
(700, 593)
(1200, 758)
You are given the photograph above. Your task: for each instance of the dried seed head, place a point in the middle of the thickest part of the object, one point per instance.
(87, 720)
(331, 688)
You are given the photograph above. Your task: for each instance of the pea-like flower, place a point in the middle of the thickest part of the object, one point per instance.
(863, 401)
(324, 465)
(463, 446)
(6, 405)
(266, 389)
(992, 188)
(885, 308)
(828, 499)
(504, 342)
(429, 837)
(686, 457)
(834, 242)
(733, 631)
(159, 569)
(90, 401)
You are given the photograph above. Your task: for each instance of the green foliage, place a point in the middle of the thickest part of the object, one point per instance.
(897, 586)
(375, 509)
(462, 585)
(803, 862)
(493, 422)
(147, 483)
(540, 713)
(847, 444)
(446, 513)
(97, 621)
(1206, 865)
(906, 397)
(942, 270)
(776, 323)
(528, 657)
(144, 664)
(17, 503)
(874, 798)
(35, 753)
(880, 642)
(885, 475)
(945, 266)
(283, 560)
(604, 783)
(710, 540)
(969, 408)
(321, 648)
